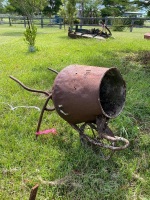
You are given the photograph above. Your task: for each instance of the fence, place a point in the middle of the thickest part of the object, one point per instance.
(39, 21)
(82, 21)
(110, 21)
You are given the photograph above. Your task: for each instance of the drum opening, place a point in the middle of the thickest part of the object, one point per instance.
(112, 93)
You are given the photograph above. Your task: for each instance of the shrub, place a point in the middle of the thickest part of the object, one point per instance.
(76, 21)
(30, 35)
(139, 22)
(119, 24)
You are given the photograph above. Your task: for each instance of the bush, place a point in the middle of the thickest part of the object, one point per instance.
(138, 22)
(76, 21)
(119, 24)
(30, 35)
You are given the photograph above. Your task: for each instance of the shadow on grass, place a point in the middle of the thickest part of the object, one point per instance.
(85, 174)
(16, 34)
(65, 37)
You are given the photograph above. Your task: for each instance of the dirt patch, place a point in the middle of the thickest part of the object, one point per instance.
(142, 57)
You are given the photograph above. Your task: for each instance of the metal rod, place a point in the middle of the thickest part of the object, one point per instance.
(53, 70)
(50, 109)
(104, 136)
(92, 140)
(29, 89)
(42, 112)
(115, 139)
(34, 192)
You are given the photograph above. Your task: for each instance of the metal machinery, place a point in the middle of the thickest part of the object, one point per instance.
(87, 97)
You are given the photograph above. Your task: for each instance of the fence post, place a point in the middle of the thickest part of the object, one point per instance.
(111, 21)
(132, 23)
(81, 22)
(60, 23)
(106, 21)
(25, 22)
(41, 21)
(10, 21)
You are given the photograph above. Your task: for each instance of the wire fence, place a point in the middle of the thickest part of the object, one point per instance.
(38, 21)
(82, 21)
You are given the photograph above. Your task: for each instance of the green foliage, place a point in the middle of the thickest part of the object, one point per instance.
(115, 12)
(2, 8)
(70, 10)
(117, 7)
(10, 9)
(148, 13)
(30, 35)
(91, 9)
(128, 22)
(76, 21)
(52, 7)
(139, 22)
(63, 11)
(111, 2)
(118, 24)
(142, 4)
(28, 7)
(1, 5)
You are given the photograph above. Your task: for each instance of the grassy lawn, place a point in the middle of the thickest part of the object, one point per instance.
(25, 161)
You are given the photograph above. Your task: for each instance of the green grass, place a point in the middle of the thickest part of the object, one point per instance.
(24, 161)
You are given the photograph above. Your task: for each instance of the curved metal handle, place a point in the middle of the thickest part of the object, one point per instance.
(42, 112)
(115, 139)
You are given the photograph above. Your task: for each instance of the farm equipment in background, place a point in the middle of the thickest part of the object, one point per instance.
(93, 33)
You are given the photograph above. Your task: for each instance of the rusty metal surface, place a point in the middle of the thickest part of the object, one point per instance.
(91, 96)
(34, 192)
(76, 93)
(147, 36)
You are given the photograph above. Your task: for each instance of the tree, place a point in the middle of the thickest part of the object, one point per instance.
(71, 9)
(63, 12)
(88, 8)
(28, 7)
(91, 8)
(52, 7)
(148, 13)
(1, 5)
(114, 5)
(10, 9)
(110, 11)
(142, 4)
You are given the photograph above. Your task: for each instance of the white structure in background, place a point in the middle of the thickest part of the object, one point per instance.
(133, 14)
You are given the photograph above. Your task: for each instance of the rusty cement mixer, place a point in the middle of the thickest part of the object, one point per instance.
(87, 97)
